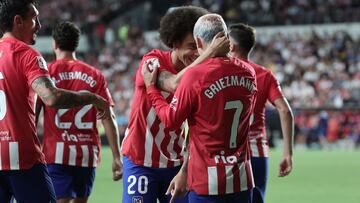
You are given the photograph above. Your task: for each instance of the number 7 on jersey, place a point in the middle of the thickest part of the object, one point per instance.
(238, 105)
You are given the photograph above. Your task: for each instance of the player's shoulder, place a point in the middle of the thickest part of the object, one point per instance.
(21, 47)
(156, 53)
(259, 68)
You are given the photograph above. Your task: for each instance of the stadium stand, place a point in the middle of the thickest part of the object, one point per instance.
(319, 73)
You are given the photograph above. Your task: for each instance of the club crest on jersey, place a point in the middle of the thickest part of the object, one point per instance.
(137, 199)
(153, 63)
(41, 62)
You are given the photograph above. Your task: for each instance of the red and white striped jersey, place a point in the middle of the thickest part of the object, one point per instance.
(268, 89)
(147, 141)
(217, 98)
(70, 135)
(20, 65)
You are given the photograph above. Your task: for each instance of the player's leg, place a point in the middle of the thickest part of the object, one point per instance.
(32, 185)
(167, 175)
(63, 181)
(5, 192)
(140, 184)
(83, 184)
(260, 172)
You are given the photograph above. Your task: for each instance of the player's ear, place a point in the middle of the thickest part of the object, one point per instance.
(232, 47)
(199, 43)
(18, 21)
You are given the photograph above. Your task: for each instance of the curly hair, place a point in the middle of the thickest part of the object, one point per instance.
(66, 36)
(9, 9)
(176, 24)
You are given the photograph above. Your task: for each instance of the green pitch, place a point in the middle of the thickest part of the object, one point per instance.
(318, 176)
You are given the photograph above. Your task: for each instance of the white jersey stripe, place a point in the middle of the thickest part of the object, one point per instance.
(59, 153)
(251, 173)
(14, 155)
(243, 177)
(95, 152)
(149, 140)
(0, 158)
(254, 148)
(229, 179)
(170, 148)
(265, 147)
(158, 140)
(85, 156)
(213, 180)
(72, 155)
(125, 136)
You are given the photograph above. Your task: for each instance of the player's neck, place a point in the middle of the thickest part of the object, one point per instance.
(177, 64)
(240, 56)
(9, 35)
(65, 55)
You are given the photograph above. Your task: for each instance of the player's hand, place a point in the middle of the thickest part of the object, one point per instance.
(220, 45)
(149, 72)
(102, 107)
(117, 169)
(285, 166)
(178, 186)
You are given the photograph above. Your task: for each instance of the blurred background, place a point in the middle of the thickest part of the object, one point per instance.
(312, 47)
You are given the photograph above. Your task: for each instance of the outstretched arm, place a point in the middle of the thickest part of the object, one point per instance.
(178, 185)
(112, 134)
(60, 98)
(287, 126)
(219, 46)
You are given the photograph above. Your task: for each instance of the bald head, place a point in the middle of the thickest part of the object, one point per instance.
(206, 27)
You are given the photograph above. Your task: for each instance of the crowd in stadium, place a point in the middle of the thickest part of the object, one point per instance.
(315, 71)
(192, 85)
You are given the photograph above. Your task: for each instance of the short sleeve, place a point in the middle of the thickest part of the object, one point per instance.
(104, 91)
(157, 59)
(32, 64)
(274, 88)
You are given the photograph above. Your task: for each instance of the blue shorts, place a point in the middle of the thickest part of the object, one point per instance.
(260, 172)
(238, 197)
(144, 184)
(27, 186)
(71, 181)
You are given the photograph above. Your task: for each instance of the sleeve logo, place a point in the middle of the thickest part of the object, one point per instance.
(41, 62)
(174, 103)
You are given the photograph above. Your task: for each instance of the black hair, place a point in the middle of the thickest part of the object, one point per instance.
(244, 35)
(66, 36)
(176, 24)
(9, 9)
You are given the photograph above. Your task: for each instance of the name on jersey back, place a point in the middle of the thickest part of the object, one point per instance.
(76, 75)
(229, 81)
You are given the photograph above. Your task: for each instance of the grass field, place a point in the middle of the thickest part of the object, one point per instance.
(317, 177)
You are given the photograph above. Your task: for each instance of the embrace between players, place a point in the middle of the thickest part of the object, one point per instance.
(221, 95)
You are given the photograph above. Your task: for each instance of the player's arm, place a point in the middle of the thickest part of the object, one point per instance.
(287, 126)
(171, 115)
(38, 107)
(60, 98)
(178, 185)
(112, 135)
(168, 82)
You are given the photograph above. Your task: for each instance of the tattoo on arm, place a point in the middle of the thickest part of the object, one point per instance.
(164, 81)
(59, 98)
